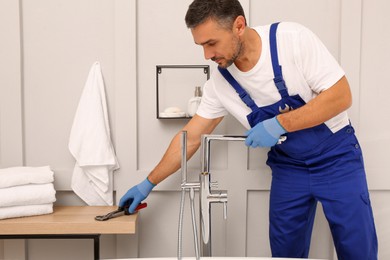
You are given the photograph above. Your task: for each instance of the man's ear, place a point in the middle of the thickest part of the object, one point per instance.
(239, 25)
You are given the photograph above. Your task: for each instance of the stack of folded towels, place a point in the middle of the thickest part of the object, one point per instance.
(26, 191)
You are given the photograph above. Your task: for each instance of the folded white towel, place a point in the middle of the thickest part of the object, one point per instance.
(15, 176)
(90, 144)
(25, 211)
(31, 194)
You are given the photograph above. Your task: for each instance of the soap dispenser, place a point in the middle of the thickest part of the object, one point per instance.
(194, 102)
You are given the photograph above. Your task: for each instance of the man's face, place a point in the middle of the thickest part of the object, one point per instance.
(219, 44)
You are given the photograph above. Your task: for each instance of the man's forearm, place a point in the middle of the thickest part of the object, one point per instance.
(171, 161)
(326, 105)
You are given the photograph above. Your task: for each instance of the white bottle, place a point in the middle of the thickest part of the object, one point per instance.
(194, 102)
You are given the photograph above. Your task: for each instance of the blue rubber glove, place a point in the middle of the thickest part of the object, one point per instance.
(265, 133)
(136, 195)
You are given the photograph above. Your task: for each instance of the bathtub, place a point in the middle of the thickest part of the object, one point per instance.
(215, 258)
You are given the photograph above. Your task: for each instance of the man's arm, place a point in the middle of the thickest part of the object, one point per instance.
(326, 105)
(171, 160)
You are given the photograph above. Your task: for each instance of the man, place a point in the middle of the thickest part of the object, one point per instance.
(280, 80)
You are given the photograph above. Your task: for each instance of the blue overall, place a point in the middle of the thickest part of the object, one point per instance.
(313, 165)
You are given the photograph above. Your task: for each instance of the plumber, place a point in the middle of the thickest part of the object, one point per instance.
(280, 80)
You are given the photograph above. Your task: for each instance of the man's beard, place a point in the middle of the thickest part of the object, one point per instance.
(235, 55)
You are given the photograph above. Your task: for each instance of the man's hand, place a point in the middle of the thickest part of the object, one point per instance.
(265, 133)
(136, 195)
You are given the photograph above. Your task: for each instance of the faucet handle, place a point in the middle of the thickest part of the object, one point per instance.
(224, 199)
(213, 184)
(225, 210)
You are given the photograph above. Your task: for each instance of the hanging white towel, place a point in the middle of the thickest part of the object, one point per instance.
(25, 211)
(15, 176)
(31, 194)
(90, 144)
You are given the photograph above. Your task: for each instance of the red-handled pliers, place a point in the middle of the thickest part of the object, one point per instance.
(120, 212)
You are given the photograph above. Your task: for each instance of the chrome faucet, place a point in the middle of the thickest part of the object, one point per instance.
(208, 196)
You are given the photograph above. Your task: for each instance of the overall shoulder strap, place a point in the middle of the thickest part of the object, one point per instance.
(278, 77)
(240, 91)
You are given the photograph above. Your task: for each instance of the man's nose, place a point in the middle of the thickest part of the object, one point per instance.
(208, 54)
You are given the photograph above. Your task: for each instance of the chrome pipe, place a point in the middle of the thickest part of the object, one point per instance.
(205, 144)
(183, 157)
(191, 186)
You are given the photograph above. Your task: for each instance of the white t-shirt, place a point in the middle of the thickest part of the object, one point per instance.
(307, 66)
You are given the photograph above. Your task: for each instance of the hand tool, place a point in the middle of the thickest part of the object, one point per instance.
(120, 212)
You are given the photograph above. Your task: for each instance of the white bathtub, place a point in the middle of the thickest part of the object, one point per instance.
(214, 258)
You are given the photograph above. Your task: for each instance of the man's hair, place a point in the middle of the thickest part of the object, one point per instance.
(224, 12)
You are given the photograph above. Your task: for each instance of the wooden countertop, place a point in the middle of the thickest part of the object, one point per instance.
(71, 220)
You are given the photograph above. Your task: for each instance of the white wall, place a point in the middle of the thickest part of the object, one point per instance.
(47, 48)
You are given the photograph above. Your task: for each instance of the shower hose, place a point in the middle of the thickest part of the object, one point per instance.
(180, 229)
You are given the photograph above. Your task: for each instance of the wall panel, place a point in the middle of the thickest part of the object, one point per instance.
(11, 102)
(58, 53)
(374, 108)
(11, 141)
(375, 112)
(47, 48)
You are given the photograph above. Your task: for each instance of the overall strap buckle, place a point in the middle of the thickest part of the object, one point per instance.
(248, 100)
(279, 81)
(281, 86)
